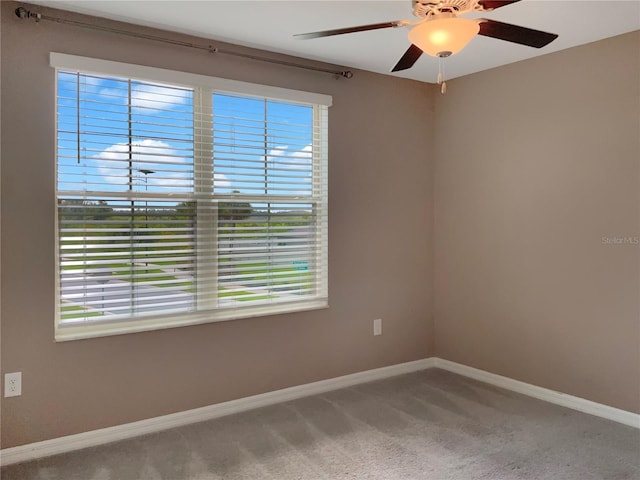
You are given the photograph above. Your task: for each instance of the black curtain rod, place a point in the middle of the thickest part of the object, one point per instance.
(23, 13)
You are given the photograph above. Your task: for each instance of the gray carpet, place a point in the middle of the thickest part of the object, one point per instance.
(427, 425)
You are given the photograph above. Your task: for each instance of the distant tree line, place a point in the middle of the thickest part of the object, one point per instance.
(89, 210)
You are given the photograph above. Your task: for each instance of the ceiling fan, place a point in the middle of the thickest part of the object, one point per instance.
(440, 32)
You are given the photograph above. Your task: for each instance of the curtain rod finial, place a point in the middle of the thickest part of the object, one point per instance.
(22, 12)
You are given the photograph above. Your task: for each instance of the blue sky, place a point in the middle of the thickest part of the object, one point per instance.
(159, 131)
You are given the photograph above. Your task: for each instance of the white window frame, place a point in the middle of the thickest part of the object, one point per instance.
(204, 86)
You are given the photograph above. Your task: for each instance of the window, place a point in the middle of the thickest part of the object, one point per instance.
(185, 199)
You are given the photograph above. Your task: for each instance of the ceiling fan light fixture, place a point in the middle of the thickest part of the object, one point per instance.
(442, 37)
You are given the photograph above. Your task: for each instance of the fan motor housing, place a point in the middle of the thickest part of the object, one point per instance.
(424, 8)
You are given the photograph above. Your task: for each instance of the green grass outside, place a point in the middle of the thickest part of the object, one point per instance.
(124, 272)
(279, 276)
(127, 273)
(243, 296)
(81, 312)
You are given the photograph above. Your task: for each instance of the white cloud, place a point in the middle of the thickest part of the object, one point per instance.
(165, 166)
(282, 157)
(158, 97)
(146, 151)
(90, 84)
(220, 180)
(145, 155)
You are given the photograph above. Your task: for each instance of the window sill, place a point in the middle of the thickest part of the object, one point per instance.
(68, 333)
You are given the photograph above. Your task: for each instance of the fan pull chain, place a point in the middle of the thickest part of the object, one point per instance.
(441, 82)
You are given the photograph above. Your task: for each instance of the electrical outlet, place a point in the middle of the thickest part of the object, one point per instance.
(377, 326)
(13, 384)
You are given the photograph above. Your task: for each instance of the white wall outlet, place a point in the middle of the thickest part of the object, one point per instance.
(377, 326)
(13, 384)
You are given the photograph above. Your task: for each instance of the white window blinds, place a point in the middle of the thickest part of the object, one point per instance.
(182, 204)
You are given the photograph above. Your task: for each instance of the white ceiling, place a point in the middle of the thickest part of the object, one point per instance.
(270, 25)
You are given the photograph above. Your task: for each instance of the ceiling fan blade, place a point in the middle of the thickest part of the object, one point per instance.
(341, 31)
(515, 34)
(492, 5)
(408, 59)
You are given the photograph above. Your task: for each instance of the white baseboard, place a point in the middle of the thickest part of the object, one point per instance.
(102, 436)
(551, 396)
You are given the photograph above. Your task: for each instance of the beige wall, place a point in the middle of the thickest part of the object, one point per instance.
(380, 243)
(536, 162)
